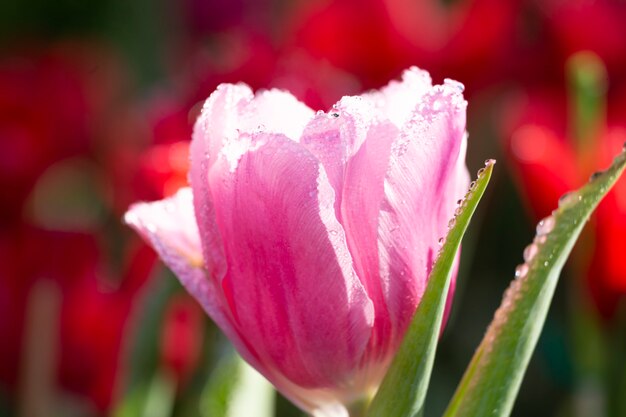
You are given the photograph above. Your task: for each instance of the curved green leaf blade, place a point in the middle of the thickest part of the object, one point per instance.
(403, 389)
(493, 377)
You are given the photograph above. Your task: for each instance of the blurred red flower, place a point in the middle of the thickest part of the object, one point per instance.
(56, 102)
(596, 25)
(43, 118)
(92, 319)
(375, 39)
(67, 130)
(181, 336)
(548, 163)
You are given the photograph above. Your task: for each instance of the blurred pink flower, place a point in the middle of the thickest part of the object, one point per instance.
(308, 237)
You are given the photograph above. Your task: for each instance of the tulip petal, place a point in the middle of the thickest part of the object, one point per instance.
(363, 192)
(335, 136)
(229, 111)
(398, 100)
(290, 283)
(426, 175)
(169, 227)
(355, 142)
(356, 172)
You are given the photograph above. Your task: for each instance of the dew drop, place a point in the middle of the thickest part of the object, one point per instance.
(481, 172)
(568, 199)
(546, 263)
(319, 112)
(453, 83)
(472, 186)
(459, 202)
(334, 115)
(540, 240)
(451, 223)
(489, 162)
(595, 176)
(521, 271)
(458, 211)
(440, 241)
(530, 252)
(545, 226)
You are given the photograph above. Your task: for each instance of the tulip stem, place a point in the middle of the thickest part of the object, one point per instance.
(616, 377)
(588, 85)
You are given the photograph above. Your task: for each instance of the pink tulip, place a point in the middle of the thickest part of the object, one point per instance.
(308, 237)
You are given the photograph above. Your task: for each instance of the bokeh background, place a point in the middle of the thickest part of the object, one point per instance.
(97, 102)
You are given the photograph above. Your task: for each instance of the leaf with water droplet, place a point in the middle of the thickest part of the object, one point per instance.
(530, 251)
(403, 389)
(521, 270)
(494, 375)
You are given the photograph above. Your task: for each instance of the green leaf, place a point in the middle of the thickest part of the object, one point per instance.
(494, 375)
(235, 389)
(588, 82)
(403, 389)
(161, 396)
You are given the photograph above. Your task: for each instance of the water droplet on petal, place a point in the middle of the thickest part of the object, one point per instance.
(453, 83)
(521, 271)
(530, 251)
(319, 112)
(545, 226)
